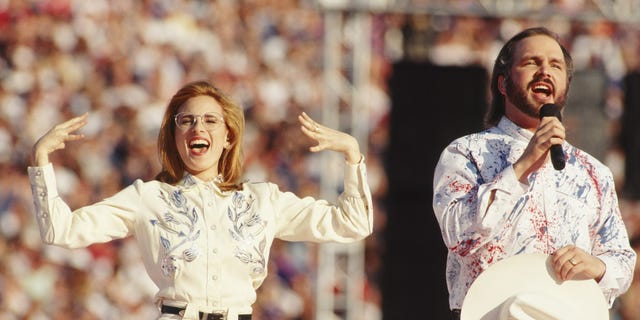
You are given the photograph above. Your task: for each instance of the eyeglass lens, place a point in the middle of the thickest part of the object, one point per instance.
(209, 120)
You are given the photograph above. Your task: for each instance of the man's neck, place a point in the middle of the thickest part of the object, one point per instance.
(522, 120)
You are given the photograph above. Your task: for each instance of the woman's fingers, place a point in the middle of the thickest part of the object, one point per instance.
(330, 139)
(56, 138)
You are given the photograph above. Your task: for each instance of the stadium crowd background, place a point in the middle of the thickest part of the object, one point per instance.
(121, 60)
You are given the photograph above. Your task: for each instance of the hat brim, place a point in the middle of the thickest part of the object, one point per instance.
(525, 273)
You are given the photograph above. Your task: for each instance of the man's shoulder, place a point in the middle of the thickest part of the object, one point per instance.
(584, 156)
(480, 135)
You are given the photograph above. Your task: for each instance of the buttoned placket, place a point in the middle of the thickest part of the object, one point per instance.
(211, 220)
(548, 204)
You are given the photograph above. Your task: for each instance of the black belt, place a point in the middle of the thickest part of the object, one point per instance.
(202, 315)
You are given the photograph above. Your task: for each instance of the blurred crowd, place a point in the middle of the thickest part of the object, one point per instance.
(121, 60)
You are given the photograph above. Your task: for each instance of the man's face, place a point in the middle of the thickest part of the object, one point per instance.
(538, 76)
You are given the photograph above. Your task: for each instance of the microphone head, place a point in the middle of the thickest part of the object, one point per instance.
(550, 110)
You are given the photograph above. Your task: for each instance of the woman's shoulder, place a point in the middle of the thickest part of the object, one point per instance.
(145, 186)
(258, 186)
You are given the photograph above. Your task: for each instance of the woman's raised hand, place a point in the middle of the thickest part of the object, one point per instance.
(330, 139)
(56, 139)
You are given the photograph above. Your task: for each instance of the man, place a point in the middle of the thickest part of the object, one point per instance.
(496, 193)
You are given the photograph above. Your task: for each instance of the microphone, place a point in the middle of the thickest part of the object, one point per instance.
(557, 155)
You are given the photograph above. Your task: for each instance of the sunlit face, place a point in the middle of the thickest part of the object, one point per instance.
(538, 76)
(200, 148)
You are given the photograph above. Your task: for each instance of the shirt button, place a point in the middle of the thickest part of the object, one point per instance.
(210, 204)
(214, 278)
(215, 251)
(213, 227)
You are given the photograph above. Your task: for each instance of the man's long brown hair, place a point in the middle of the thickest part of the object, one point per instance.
(230, 164)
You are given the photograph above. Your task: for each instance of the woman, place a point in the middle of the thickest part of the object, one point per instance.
(204, 235)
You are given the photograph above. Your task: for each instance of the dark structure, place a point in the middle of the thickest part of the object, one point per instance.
(431, 106)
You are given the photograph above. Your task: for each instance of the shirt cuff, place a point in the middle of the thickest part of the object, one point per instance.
(502, 192)
(609, 284)
(43, 189)
(43, 182)
(510, 182)
(354, 175)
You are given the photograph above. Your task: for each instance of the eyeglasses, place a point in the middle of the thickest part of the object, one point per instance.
(210, 120)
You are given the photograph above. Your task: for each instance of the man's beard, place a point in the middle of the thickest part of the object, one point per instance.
(518, 98)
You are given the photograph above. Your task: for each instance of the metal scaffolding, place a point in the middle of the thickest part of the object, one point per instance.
(621, 11)
(341, 276)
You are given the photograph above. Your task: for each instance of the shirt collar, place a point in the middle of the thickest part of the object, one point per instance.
(513, 130)
(190, 181)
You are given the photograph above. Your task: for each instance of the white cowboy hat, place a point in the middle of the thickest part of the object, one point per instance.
(525, 287)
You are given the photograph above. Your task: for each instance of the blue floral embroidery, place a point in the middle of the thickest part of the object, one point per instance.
(179, 220)
(248, 230)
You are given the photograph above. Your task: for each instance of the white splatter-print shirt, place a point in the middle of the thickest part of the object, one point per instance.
(205, 249)
(577, 205)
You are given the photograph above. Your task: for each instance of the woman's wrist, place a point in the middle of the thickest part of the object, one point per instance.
(354, 158)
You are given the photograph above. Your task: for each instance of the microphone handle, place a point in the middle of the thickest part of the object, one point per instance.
(557, 155)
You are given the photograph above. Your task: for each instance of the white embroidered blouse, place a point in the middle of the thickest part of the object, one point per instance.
(205, 249)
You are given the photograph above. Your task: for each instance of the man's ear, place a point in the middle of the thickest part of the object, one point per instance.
(502, 85)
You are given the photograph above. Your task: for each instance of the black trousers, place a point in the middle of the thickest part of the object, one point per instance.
(455, 314)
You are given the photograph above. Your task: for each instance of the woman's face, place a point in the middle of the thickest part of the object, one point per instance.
(201, 136)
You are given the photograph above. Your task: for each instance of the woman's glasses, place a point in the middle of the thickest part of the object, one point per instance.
(210, 120)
